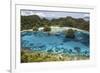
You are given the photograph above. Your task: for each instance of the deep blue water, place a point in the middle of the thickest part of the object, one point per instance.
(56, 43)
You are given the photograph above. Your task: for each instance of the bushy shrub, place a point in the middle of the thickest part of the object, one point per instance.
(35, 29)
(47, 28)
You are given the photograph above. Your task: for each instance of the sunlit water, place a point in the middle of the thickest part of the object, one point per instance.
(56, 43)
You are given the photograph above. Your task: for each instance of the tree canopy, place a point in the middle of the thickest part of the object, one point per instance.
(28, 22)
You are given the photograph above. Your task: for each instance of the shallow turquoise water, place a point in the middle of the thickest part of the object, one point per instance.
(56, 43)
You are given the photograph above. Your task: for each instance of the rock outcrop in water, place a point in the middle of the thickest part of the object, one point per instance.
(70, 33)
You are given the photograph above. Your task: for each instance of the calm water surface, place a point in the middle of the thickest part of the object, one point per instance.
(56, 43)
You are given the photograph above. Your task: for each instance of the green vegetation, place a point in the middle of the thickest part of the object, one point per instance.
(69, 33)
(47, 28)
(34, 22)
(35, 29)
(28, 22)
(36, 56)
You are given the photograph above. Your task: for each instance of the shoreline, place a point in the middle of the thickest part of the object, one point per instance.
(36, 56)
(55, 29)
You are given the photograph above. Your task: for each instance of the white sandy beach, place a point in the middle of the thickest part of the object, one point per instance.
(55, 29)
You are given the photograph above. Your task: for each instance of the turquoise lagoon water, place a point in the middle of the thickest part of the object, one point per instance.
(56, 43)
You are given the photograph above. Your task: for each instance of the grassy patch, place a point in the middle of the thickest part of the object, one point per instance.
(36, 56)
